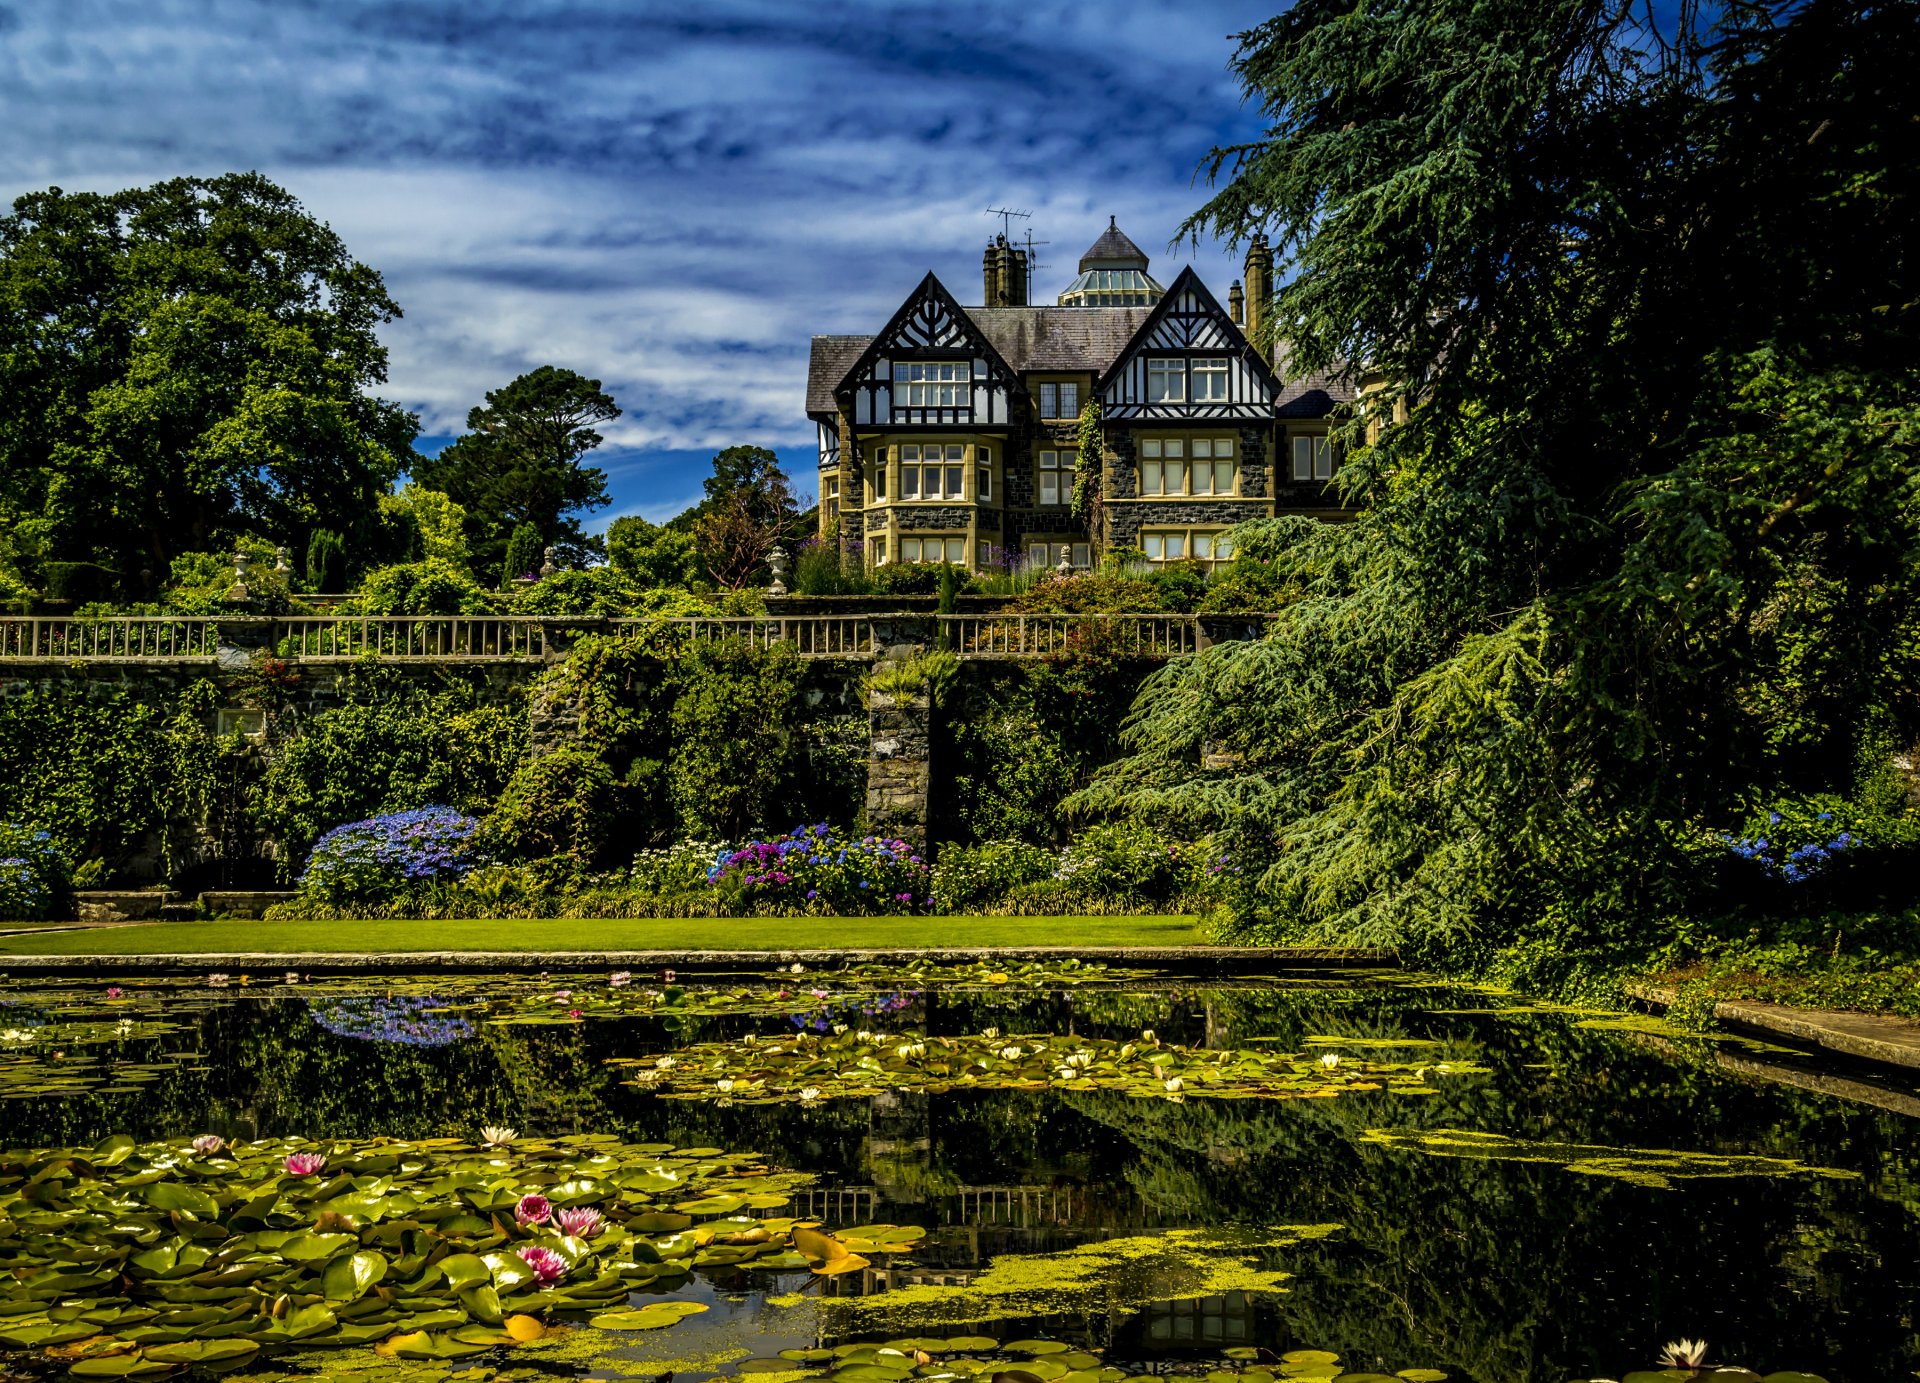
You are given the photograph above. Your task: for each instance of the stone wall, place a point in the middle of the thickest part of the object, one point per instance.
(898, 767)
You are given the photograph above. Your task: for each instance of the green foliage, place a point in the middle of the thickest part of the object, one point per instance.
(652, 555)
(595, 591)
(819, 568)
(326, 562)
(184, 364)
(735, 750)
(972, 876)
(34, 873)
(519, 464)
(432, 586)
(1646, 550)
(1090, 593)
(108, 775)
(522, 555)
(904, 679)
(907, 578)
(439, 523)
(561, 803)
(198, 582)
(392, 745)
(1089, 465)
(1128, 860)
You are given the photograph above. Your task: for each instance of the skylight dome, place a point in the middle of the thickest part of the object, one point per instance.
(1113, 273)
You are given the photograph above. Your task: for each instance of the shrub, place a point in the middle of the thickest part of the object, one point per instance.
(905, 678)
(1090, 593)
(326, 561)
(34, 877)
(906, 578)
(597, 591)
(386, 856)
(523, 555)
(560, 804)
(820, 569)
(1128, 860)
(812, 865)
(968, 876)
(676, 869)
(430, 587)
(650, 554)
(732, 735)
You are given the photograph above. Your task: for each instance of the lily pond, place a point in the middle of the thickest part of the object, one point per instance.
(1049, 1174)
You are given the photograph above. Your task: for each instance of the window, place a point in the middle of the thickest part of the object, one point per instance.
(1312, 458)
(1060, 400)
(1210, 381)
(879, 546)
(1166, 381)
(934, 550)
(879, 474)
(1046, 554)
(1056, 476)
(982, 483)
(983, 554)
(832, 497)
(936, 384)
(931, 472)
(1186, 466)
(1182, 544)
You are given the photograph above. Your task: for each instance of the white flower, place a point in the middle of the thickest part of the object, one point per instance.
(16, 1035)
(1010, 1053)
(991, 1033)
(1080, 1060)
(1684, 1354)
(909, 1050)
(1174, 1084)
(1146, 1036)
(864, 1036)
(1127, 1051)
(665, 1063)
(1330, 1060)
(796, 969)
(217, 979)
(810, 1094)
(495, 1137)
(839, 1029)
(293, 977)
(725, 1087)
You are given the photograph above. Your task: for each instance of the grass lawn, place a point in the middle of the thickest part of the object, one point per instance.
(639, 934)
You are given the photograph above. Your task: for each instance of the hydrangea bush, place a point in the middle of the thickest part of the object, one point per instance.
(375, 859)
(814, 867)
(33, 873)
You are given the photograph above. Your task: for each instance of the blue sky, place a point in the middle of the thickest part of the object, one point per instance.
(670, 198)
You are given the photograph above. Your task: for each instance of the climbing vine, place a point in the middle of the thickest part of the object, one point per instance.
(1086, 481)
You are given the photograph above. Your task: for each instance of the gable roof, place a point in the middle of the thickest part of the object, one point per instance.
(929, 290)
(832, 357)
(1190, 282)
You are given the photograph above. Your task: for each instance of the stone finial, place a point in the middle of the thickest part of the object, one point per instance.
(1065, 569)
(237, 593)
(547, 568)
(281, 566)
(777, 559)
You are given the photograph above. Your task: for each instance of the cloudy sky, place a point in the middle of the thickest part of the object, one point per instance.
(670, 198)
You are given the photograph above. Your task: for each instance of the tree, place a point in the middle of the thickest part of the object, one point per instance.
(183, 364)
(1646, 549)
(653, 555)
(519, 462)
(748, 510)
(524, 557)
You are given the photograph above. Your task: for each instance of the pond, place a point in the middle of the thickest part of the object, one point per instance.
(879, 1176)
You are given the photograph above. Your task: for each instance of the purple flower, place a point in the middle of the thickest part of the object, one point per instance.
(534, 1209)
(305, 1164)
(548, 1266)
(208, 1144)
(581, 1222)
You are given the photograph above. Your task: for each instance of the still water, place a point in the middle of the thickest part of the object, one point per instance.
(1405, 1175)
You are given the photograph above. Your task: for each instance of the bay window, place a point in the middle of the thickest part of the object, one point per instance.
(935, 549)
(931, 471)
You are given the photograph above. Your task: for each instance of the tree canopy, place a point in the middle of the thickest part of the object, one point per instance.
(181, 363)
(519, 462)
(1642, 555)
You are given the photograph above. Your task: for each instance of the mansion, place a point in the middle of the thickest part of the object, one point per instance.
(953, 433)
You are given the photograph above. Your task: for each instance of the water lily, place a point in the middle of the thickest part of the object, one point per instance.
(207, 1144)
(114, 991)
(495, 1137)
(548, 1266)
(839, 1029)
(1174, 1084)
(1080, 1060)
(581, 1222)
(796, 969)
(305, 1164)
(1010, 1053)
(1127, 1050)
(1330, 1060)
(665, 1063)
(910, 1050)
(16, 1035)
(620, 979)
(725, 1087)
(218, 979)
(533, 1209)
(1147, 1037)
(1684, 1354)
(990, 1033)
(293, 977)
(810, 1094)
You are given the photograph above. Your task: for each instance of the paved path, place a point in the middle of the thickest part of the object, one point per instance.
(1870, 1036)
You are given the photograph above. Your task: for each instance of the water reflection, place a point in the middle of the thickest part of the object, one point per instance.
(1498, 1270)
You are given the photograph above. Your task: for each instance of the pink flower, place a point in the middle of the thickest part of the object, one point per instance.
(305, 1164)
(548, 1266)
(534, 1209)
(563, 993)
(208, 1143)
(582, 1222)
(114, 991)
(573, 1013)
(620, 979)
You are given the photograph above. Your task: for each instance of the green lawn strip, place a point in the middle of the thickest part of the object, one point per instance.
(641, 934)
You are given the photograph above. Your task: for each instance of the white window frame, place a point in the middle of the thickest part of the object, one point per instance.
(948, 463)
(933, 384)
(1166, 381)
(1312, 457)
(1220, 455)
(1057, 466)
(1045, 553)
(1212, 379)
(1156, 543)
(951, 547)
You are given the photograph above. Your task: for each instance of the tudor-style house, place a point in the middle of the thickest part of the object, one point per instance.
(953, 433)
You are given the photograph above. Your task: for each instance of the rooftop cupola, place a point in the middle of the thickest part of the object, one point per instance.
(1113, 273)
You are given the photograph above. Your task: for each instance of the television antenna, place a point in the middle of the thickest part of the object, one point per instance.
(1007, 217)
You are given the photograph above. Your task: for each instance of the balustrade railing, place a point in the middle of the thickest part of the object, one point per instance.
(116, 638)
(521, 638)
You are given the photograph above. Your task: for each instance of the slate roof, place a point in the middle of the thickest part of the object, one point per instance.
(833, 356)
(1112, 246)
(1311, 396)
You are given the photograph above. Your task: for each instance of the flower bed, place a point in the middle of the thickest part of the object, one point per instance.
(387, 855)
(813, 866)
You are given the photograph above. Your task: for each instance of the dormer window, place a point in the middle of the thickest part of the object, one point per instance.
(1166, 381)
(1060, 400)
(1210, 380)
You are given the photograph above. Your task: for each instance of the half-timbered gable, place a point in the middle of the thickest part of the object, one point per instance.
(1189, 363)
(930, 367)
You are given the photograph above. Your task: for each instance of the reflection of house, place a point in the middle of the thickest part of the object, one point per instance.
(953, 433)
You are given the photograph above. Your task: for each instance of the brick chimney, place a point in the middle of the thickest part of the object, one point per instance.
(990, 275)
(1015, 262)
(1259, 275)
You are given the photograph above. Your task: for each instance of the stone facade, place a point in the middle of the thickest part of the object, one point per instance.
(1124, 521)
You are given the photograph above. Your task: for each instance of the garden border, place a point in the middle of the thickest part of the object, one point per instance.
(1184, 961)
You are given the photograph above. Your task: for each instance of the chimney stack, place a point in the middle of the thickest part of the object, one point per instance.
(990, 274)
(1237, 304)
(1016, 280)
(1259, 276)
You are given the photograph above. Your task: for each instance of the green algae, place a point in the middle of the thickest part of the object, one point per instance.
(1655, 1167)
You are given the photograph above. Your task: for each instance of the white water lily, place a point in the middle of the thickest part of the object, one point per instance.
(16, 1035)
(839, 1029)
(1080, 1060)
(810, 1094)
(1330, 1060)
(796, 969)
(1684, 1354)
(1174, 1084)
(910, 1050)
(1010, 1053)
(725, 1087)
(1146, 1036)
(496, 1137)
(665, 1063)
(1128, 1050)
(990, 1033)
(866, 1036)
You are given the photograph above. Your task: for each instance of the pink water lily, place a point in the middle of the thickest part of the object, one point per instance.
(620, 979)
(208, 1143)
(534, 1209)
(305, 1164)
(114, 991)
(582, 1222)
(548, 1266)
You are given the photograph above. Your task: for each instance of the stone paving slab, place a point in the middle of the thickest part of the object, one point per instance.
(1181, 960)
(1870, 1036)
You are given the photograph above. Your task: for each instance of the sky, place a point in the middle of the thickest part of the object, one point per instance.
(669, 198)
